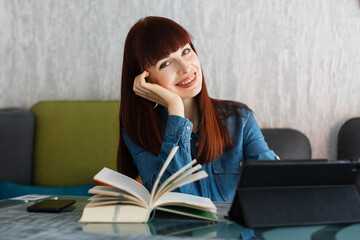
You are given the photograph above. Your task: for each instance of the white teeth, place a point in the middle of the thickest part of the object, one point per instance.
(187, 81)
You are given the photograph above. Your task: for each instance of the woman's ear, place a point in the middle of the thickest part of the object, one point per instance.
(148, 78)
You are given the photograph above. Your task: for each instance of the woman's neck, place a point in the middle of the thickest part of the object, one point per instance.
(192, 112)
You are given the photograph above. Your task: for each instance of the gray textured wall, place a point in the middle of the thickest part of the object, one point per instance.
(294, 62)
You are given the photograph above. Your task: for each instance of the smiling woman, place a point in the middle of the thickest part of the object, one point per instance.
(161, 68)
(180, 72)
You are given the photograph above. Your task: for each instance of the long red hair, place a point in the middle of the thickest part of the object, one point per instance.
(148, 41)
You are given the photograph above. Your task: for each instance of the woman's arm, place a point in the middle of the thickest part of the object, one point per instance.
(254, 144)
(177, 133)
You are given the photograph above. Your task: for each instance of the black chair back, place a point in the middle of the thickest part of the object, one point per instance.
(289, 144)
(348, 145)
(16, 145)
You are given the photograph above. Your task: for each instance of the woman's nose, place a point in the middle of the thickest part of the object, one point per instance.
(183, 67)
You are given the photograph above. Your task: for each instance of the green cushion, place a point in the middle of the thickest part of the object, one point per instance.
(9, 190)
(74, 140)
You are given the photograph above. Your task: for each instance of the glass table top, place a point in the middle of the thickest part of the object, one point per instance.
(165, 225)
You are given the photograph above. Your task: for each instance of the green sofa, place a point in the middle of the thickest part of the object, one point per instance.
(72, 141)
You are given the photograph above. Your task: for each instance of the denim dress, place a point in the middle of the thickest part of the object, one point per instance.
(223, 172)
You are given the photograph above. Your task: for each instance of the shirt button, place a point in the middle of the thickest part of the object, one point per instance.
(277, 158)
(197, 144)
(187, 128)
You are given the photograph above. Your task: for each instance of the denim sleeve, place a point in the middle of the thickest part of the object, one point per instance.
(177, 133)
(255, 146)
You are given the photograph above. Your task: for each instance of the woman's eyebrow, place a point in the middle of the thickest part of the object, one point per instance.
(163, 58)
(167, 56)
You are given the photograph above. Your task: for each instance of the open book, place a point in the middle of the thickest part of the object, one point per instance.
(123, 199)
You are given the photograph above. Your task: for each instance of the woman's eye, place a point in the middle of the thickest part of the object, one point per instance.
(186, 51)
(164, 64)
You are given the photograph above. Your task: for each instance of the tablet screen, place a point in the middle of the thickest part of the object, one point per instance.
(265, 173)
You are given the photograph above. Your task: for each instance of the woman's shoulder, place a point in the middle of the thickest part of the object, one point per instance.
(227, 108)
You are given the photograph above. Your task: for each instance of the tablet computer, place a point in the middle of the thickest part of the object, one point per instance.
(296, 192)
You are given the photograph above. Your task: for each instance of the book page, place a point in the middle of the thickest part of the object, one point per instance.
(162, 170)
(114, 202)
(124, 183)
(175, 198)
(106, 200)
(164, 188)
(110, 191)
(173, 178)
(181, 181)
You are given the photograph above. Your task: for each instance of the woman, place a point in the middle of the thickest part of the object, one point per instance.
(164, 103)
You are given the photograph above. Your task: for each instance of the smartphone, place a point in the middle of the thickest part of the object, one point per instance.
(50, 205)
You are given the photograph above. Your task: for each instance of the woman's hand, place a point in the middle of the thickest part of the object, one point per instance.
(156, 93)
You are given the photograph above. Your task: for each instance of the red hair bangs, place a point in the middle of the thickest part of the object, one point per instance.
(157, 38)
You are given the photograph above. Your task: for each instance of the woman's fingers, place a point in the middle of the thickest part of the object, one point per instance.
(140, 80)
(156, 93)
(140, 85)
(145, 89)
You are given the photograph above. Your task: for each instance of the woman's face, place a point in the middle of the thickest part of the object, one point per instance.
(180, 72)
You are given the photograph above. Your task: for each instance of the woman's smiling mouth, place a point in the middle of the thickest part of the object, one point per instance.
(186, 83)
